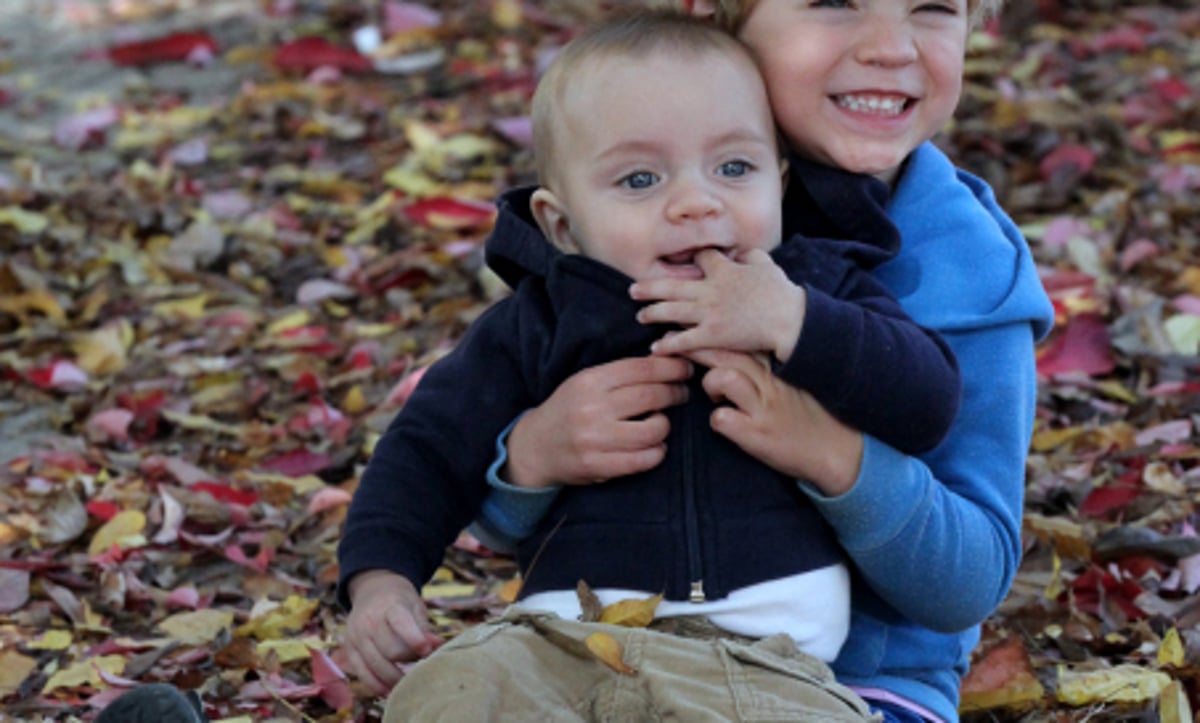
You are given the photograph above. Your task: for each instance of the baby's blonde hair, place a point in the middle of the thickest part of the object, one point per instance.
(731, 14)
(633, 34)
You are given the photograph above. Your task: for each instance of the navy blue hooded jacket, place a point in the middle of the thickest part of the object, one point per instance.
(709, 515)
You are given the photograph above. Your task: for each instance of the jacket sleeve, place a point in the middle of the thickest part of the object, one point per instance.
(863, 358)
(910, 532)
(427, 475)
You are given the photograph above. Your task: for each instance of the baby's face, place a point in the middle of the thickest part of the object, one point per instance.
(662, 156)
(860, 83)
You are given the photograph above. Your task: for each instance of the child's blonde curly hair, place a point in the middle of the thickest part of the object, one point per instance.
(730, 14)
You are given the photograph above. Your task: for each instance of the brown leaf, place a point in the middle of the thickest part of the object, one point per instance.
(588, 603)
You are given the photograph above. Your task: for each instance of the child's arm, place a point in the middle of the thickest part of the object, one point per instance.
(841, 337)
(910, 525)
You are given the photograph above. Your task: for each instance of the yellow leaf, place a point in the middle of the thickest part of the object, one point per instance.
(355, 402)
(103, 352)
(302, 485)
(52, 640)
(24, 221)
(84, 672)
(1173, 706)
(1047, 439)
(14, 669)
(608, 651)
(287, 322)
(292, 649)
(292, 615)
(1055, 587)
(631, 613)
(509, 591)
(188, 309)
(39, 300)
(448, 590)
(1122, 684)
(1171, 652)
(1116, 390)
(196, 627)
(506, 14)
(122, 530)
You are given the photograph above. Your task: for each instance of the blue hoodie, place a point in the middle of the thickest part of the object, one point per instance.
(935, 539)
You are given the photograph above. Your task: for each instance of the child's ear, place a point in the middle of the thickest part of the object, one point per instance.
(553, 219)
(701, 8)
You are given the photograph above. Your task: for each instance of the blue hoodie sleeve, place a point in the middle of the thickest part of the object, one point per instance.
(913, 525)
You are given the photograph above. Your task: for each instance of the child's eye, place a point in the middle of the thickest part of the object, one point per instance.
(829, 4)
(734, 169)
(639, 180)
(947, 8)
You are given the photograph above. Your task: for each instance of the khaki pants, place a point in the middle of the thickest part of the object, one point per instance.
(518, 669)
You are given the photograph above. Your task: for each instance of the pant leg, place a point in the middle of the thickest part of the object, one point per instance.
(509, 671)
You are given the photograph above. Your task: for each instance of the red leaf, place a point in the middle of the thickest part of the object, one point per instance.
(307, 54)
(1104, 500)
(1172, 89)
(447, 213)
(335, 689)
(1070, 154)
(174, 47)
(297, 463)
(103, 510)
(1083, 347)
(225, 493)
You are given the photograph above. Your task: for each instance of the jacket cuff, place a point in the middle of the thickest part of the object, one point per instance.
(510, 511)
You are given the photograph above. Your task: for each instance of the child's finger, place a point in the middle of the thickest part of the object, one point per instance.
(657, 289)
(632, 402)
(683, 313)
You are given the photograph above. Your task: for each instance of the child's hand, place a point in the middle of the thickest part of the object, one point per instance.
(780, 425)
(388, 624)
(745, 305)
(602, 422)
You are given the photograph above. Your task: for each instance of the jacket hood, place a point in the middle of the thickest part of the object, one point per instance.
(951, 223)
(516, 247)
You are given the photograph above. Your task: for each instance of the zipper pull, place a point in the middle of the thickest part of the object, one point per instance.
(697, 595)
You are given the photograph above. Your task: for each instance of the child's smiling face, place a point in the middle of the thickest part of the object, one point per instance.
(860, 83)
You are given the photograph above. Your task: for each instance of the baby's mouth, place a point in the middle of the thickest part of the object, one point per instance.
(687, 257)
(874, 103)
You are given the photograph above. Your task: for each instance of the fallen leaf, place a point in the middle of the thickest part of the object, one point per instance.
(608, 651)
(123, 530)
(1002, 677)
(632, 613)
(1119, 684)
(14, 669)
(196, 627)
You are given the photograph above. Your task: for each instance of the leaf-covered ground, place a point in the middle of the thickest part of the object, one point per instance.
(229, 242)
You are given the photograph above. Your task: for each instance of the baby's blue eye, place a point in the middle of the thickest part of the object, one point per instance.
(830, 3)
(734, 169)
(639, 180)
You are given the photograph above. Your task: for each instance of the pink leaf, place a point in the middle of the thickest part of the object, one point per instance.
(110, 425)
(335, 689)
(518, 130)
(1178, 430)
(297, 463)
(1187, 303)
(327, 499)
(84, 128)
(14, 590)
(183, 597)
(401, 17)
(60, 375)
(404, 389)
(317, 290)
(1137, 252)
(1083, 347)
(1081, 157)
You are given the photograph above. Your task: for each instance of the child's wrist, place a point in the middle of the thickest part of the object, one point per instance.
(789, 335)
(516, 470)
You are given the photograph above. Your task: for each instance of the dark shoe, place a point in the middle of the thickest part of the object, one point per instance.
(154, 703)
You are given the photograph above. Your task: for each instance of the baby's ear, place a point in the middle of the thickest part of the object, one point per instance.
(553, 219)
(702, 8)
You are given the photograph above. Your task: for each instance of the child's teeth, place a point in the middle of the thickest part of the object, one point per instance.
(872, 104)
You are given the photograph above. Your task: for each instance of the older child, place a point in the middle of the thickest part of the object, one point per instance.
(687, 192)
(863, 85)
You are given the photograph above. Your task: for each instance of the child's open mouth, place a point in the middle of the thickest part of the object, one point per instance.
(874, 104)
